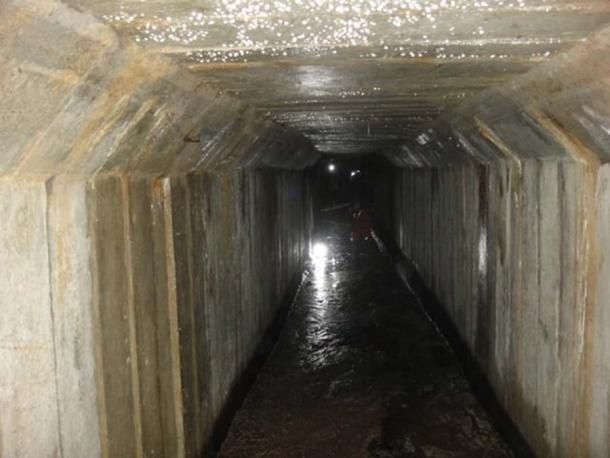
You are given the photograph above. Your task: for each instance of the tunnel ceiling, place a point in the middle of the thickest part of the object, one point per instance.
(355, 76)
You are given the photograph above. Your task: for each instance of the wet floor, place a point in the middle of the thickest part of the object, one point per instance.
(359, 371)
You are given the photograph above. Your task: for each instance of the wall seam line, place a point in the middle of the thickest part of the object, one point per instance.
(133, 352)
(48, 191)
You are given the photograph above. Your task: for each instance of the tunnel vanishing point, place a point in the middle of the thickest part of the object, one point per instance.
(156, 203)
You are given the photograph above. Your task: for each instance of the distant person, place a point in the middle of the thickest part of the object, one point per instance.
(361, 207)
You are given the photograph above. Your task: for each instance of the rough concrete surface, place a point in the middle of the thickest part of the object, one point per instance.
(503, 220)
(155, 202)
(144, 316)
(359, 370)
(144, 249)
(354, 76)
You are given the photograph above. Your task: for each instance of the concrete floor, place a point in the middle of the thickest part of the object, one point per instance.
(359, 370)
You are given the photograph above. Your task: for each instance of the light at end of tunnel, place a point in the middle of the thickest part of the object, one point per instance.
(319, 251)
(331, 167)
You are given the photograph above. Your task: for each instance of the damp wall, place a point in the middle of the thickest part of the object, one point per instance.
(131, 305)
(184, 293)
(150, 227)
(503, 205)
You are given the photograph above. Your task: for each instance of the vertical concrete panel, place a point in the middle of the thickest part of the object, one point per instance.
(225, 310)
(70, 255)
(249, 335)
(142, 271)
(107, 210)
(510, 250)
(460, 278)
(515, 306)
(167, 324)
(242, 352)
(457, 248)
(258, 257)
(432, 224)
(600, 374)
(529, 278)
(498, 253)
(579, 277)
(549, 243)
(181, 229)
(199, 252)
(508, 327)
(478, 239)
(215, 328)
(482, 334)
(571, 304)
(29, 417)
(398, 210)
(184, 280)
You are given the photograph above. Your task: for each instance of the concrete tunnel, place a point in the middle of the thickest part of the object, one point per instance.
(157, 201)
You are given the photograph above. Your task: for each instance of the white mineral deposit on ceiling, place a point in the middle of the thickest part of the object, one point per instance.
(230, 30)
(354, 76)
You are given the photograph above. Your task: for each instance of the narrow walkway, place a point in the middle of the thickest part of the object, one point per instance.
(359, 371)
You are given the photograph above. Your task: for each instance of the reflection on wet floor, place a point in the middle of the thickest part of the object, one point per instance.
(359, 371)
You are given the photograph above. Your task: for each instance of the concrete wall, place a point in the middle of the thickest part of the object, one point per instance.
(189, 273)
(131, 305)
(150, 227)
(503, 206)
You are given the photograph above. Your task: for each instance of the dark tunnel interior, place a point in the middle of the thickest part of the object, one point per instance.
(364, 362)
(304, 228)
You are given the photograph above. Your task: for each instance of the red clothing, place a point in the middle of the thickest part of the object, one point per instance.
(363, 224)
